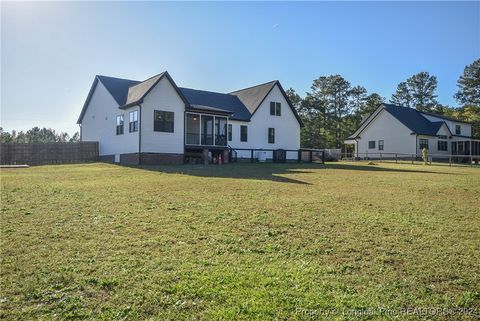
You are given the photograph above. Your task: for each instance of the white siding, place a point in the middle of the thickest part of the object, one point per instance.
(99, 124)
(396, 136)
(433, 143)
(163, 97)
(466, 129)
(287, 128)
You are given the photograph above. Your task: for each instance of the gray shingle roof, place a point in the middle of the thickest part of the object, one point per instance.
(138, 91)
(241, 104)
(225, 102)
(117, 87)
(414, 120)
(252, 97)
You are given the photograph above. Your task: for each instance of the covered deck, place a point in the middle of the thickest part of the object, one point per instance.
(206, 135)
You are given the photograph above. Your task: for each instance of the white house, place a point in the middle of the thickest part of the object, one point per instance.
(392, 129)
(154, 121)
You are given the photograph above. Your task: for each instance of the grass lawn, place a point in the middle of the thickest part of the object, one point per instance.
(241, 241)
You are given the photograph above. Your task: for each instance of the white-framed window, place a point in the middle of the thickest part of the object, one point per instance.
(230, 133)
(133, 124)
(380, 144)
(371, 144)
(442, 145)
(243, 133)
(163, 121)
(423, 143)
(120, 124)
(275, 108)
(271, 135)
(458, 130)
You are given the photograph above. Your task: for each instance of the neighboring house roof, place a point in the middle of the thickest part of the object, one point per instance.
(445, 117)
(411, 118)
(241, 104)
(414, 120)
(218, 101)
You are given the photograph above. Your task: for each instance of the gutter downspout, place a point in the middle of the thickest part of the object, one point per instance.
(140, 135)
(416, 146)
(356, 146)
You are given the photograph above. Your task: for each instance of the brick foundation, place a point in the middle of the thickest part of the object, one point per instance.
(161, 158)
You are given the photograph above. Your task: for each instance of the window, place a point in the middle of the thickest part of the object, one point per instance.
(275, 108)
(119, 124)
(133, 124)
(271, 135)
(163, 121)
(458, 130)
(442, 137)
(380, 145)
(371, 144)
(243, 133)
(423, 143)
(442, 145)
(229, 132)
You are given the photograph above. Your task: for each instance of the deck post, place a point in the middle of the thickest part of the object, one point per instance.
(205, 156)
(299, 158)
(450, 160)
(396, 160)
(251, 156)
(311, 157)
(413, 157)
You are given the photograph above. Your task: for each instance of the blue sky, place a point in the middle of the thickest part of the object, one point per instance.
(50, 52)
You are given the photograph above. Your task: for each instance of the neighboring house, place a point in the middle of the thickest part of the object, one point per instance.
(392, 129)
(154, 121)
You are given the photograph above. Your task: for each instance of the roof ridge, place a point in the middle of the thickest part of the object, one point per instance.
(207, 91)
(142, 81)
(236, 91)
(115, 78)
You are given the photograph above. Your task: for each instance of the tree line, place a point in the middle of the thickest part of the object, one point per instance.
(333, 108)
(37, 135)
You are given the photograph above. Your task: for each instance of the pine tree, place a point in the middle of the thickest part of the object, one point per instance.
(469, 85)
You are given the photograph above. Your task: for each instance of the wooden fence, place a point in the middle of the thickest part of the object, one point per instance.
(49, 153)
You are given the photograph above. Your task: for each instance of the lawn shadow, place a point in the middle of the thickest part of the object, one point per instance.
(375, 168)
(267, 171)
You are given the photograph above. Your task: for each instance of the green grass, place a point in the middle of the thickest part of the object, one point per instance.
(240, 241)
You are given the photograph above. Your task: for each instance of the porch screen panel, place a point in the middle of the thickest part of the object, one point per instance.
(193, 129)
(207, 130)
(220, 131)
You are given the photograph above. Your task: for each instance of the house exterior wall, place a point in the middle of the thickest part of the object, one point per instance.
(163, 97)
(99, 124)
(433, 143)
(396, 136)
(287, 128)
(466, 129)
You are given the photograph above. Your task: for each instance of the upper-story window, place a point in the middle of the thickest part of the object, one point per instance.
(120, 124)
(458, 130)
(275, 108)
(163, 121)
(371, 144)
(133, 124)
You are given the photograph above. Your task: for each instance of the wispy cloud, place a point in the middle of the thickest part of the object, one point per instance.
(275, 26)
